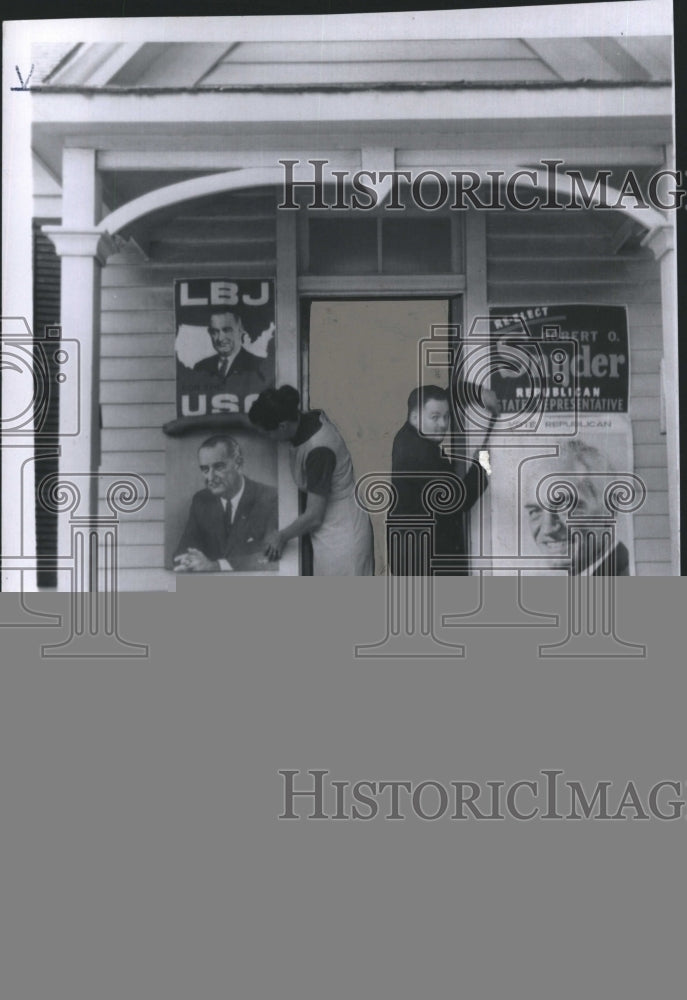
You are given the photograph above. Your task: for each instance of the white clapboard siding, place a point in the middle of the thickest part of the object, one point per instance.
(139, 391)
(131, 556)
(142, 533)
(134, 299)
(535, 258)
(154, 481)
(647, 384)
(137, 415)
(122, 345)
(645, 361)
(128, 441)
(652, 526)
(646, 432)
(152, 512)
(227, 237)
(145, 369)
(652, 550)
(150, 462)
(656, 503)
(139, 321)
(648, 456)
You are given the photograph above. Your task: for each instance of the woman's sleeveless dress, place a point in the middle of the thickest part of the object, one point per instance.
(343, 544)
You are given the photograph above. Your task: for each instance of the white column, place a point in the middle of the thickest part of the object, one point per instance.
(83, 250)
(661, 242)
(287, 367)
(17, 314)
(475, 322)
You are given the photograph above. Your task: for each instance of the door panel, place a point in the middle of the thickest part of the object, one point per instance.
(362, 363)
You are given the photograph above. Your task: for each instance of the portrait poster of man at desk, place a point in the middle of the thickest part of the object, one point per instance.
(221, 502)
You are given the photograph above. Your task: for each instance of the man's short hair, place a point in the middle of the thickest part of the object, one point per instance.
(579, 455)
(576, 455)
(231, 445)
(221, 310)
(424, 394)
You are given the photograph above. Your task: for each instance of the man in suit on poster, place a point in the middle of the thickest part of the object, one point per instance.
(229, 520)
(240, 365)
(586, 469)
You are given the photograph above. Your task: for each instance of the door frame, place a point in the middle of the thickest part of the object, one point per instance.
(328, 289)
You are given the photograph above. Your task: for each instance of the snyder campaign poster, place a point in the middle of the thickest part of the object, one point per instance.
(562, 377)
(225, 332)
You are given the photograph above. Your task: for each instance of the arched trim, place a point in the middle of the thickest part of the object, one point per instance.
(196, 187)
(649, 218)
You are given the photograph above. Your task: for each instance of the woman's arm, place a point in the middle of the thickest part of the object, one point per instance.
(309, 520)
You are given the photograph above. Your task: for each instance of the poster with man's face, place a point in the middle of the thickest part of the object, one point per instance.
(225, 333)
(563, 488)
(221, 503)
(572, 496)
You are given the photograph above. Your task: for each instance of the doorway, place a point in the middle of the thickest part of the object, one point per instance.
(360, 360)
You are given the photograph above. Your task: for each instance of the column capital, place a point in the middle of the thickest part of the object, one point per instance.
(660, 240)
(68, 492)
(81, 242)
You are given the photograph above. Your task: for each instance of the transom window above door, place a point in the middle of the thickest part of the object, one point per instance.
(336, 246)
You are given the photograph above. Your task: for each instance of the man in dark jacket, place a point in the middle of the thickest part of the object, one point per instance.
(229, 520)
(417, 462)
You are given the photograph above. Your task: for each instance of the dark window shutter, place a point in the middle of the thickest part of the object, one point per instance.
(46, 313)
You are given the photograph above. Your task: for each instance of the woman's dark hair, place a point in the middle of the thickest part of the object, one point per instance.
(273, 406)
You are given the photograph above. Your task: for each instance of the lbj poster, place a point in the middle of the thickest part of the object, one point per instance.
(562, 376)
(221, 500)
(224, 344)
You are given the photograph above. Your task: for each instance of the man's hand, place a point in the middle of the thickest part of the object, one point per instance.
(194, 561)
(274, 545)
